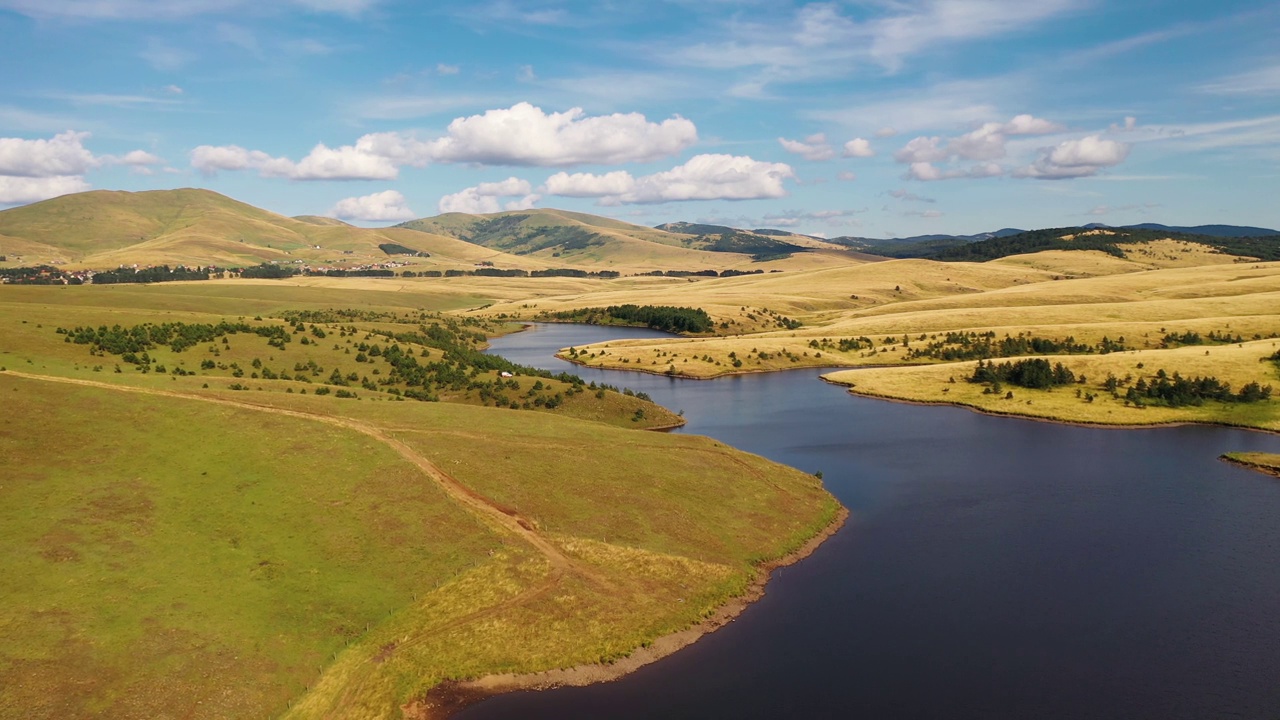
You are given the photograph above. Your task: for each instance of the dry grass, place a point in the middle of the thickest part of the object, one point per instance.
(1235, 364)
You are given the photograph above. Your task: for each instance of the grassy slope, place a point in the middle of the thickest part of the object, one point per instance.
(150, 574)
(616, 245)
(102, 229)
(198, 227)
(350, 532)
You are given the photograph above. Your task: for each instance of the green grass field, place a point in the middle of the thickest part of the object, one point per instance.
(177, 550)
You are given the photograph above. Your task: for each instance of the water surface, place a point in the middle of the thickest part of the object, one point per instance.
(992, 567)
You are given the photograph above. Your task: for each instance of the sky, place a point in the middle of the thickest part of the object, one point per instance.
(871, 118)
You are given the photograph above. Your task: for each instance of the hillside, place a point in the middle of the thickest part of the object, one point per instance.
(1113, 241)
(103, 228)
(563, 237)
(1231, 239)
(248, 528)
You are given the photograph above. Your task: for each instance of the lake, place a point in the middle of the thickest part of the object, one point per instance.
(991, 567)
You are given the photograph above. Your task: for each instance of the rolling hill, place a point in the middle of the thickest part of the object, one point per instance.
(196, 227)
(104, 229)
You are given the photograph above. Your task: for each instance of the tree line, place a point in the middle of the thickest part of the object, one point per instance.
(659, 317)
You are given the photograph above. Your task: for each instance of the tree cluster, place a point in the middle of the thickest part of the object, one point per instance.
(1034, 373)
(659, 317)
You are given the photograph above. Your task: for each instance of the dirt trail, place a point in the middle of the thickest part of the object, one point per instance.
(487, 510)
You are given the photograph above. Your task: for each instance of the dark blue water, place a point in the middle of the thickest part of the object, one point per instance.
(992, 567)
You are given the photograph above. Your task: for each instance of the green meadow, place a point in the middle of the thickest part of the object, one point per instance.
(177, 547)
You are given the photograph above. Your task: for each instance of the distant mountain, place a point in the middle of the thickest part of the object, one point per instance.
(918, 245)
(1108, 240)
(547, 233)
(1229, 231)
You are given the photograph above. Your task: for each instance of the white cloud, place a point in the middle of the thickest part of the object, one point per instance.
(519, 135)
(985, 144)
(486, 197)
(385, 206)
(446, 69)
(846, 176)
(814, 147)
(1130, 124)
(63, 154)
(927, 172)
(21, 190)
(322, 163)
(703, 177)
(858, 148)
(138, 157)
(922, 150)
(822, 41)
(1076, 158)
(343, 163)
(1029, 125)
(39, 169)
(525, 135)
(173, 89)
(614, 183)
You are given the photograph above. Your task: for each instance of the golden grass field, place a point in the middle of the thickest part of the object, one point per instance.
(1083, 295)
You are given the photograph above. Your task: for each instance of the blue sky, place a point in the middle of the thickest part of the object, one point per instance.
(873, 118)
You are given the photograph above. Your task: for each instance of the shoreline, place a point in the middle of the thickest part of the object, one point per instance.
(1256, 467)
(450, 697)
(1056, 421)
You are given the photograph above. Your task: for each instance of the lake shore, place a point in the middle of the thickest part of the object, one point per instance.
(1046, 418)
(1265, 463)
(450, 697)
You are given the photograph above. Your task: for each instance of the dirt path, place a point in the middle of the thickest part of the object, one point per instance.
(487, 510)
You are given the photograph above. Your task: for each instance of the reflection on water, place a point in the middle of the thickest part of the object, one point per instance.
(993, 568)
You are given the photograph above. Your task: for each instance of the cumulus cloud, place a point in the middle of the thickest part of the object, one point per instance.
(385, 206)
(614, 183)
(858, 148)
(63, 154)
(322, 163)
(985, 144)
(21, 190)
(520, 135)
(1076, 158)
(343, 163)
(487, 197)
(39, 169)
(138, 157)
(525, 135)
(814, 147)
(922, 150)
(928, 172)
(1029, 125)
(703, 177)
